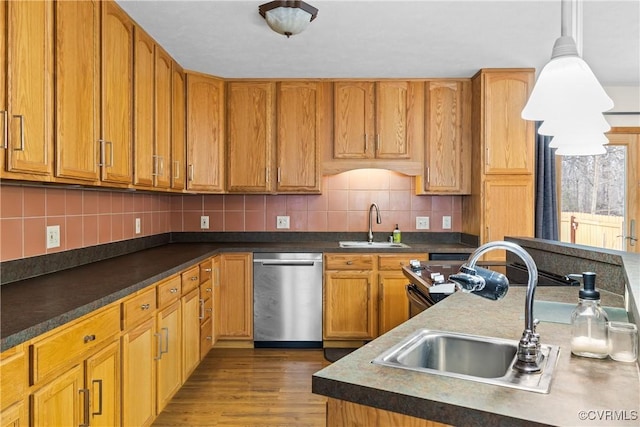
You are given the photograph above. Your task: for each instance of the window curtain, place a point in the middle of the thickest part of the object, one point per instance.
(546, 201)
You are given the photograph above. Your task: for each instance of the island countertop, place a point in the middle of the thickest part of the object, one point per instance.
(583, 391)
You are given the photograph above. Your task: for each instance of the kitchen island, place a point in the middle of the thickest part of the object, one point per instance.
(583, 391)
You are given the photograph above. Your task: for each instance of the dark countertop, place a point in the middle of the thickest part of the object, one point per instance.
(33, 306)
(579, 384)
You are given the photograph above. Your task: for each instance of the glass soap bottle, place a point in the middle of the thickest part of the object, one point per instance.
(589, 322)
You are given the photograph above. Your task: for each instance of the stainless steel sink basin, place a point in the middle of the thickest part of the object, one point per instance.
(364, 245)
(470, 357)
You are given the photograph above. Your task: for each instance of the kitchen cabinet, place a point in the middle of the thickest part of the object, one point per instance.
(377, 124)
(502, 188)
(58, 403)
(144, 74)
(162, 119)
(191, 314)
(447, 150)
(236, 296)
(169, 354)
(26, 61)
(250, 136)
(178, 129)
(342, 413)
(13, 387)
(116, 95)
(205, 134)
(206, 306)
(15, 416)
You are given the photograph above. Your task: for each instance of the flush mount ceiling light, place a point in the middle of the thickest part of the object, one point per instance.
(288, 17)
(567, 96)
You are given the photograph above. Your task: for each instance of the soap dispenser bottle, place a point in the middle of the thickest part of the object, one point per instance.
(589, 322)
(397, 235)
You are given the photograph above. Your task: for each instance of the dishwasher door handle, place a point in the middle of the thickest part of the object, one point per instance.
(287, 263)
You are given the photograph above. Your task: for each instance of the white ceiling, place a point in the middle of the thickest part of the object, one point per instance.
(378, 39)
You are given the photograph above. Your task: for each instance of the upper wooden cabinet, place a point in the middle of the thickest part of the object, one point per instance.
(77, 90)
(205, 133)
(507, 139)
(250, 136)
(117, 95)
(377, 124)
(26, 90)
(143, 105)
(447, 150)
(178, 130)
(162, 110)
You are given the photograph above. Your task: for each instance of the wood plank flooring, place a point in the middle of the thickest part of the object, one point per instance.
(250, 387)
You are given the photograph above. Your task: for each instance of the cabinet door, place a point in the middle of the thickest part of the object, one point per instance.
(190, 333)
(139, 348)
(216, 303)
(236, 296)
(350, 305)
(353, 120)
(15, 416)
(60, 403)
(143, 137)
(394, 304)
(162, 155)
(508, 210)
(103, 383)
(178, 131)
(250, 110)
(298, 141)
(508, 138)
(27, 122)
(448, 139)
(117, 95)
(169, 366)
(77, 89)
(205, 134)
(392, 120)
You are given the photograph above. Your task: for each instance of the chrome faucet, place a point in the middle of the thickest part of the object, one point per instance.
(529, 355)
(378, 220)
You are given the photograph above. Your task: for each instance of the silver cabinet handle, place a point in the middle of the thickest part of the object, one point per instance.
(201, 309)
(349, 262)
(279, 175)
(366, 143)
(21, 118)
(209, 310)
(377, 142)
(208, 289)
(166, 341)
(155, 165)
(208, 270)
(190, 177)
(428, 175)
(99, 382)
(161, 158)
(145, 307)
(110, 144)
(173, 290)
(85, 405)
(159, 352)
(89, 338)
(194, 278)
(5, 133)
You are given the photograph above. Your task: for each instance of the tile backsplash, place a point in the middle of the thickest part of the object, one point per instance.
(90, 217)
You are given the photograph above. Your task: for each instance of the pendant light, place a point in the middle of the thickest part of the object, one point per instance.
(568, 98)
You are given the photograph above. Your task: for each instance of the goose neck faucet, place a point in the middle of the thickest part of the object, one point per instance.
(378, 221)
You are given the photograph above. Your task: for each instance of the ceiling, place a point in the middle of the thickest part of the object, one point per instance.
(379, 39)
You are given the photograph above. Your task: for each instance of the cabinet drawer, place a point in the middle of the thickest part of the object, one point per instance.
(169, 291)
(190, 279)
(396, 262)
(54, 352)
(138, 308)
(205, 271)
(14, 374)
(206, 291)
(206, 338)
(348, 262)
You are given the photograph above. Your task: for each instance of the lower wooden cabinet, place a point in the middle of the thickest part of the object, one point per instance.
(342, 413)
(138, 375)
(59, 403)
(168, 355)
(102, 373)
(190, 333)
(236, 296)
(15, 415)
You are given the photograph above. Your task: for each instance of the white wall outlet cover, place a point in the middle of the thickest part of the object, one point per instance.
(204, 222)
(282, 222)
(422, 223)
(138, 226)
(446, 222)
(53, 236)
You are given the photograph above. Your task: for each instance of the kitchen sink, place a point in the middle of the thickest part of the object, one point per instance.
(364, 245)
(470, 357)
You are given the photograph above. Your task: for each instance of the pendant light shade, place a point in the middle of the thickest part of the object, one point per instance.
(288, 17)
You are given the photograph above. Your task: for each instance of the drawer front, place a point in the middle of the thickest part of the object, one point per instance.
(206, 338)
(190, 279)
(169, 291)
(396, 262)
(138, 308)
(348, 262)
(205, 271)
(14, 374)
(206, 291)
(54, 352)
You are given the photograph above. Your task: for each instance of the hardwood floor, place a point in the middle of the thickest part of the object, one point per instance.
(250, 387)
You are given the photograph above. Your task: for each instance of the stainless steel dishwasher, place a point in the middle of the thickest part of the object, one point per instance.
(287, 300)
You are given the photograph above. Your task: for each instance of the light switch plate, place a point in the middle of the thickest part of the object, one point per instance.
(282, 222)
(53, 236)
(446, 222)
(204, 222)
(422, 223)
(138, 226)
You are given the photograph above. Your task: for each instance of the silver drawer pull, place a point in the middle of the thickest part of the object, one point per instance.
(209, 310)
(173, 290)
(145, 306)
(349, 262)
(194, 278)
(208, 289)
(208, 270)
(89, 338)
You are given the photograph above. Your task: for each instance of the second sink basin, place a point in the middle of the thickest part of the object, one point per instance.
(357, 244)
(470, 357)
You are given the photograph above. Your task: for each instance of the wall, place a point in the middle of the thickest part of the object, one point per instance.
(89, 217)
(625, 99)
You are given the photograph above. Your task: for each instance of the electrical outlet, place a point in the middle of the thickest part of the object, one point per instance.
(138, 226)
(422, 223)
(204, 222)
(53, 236)
(446, 222)
(282, 222)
